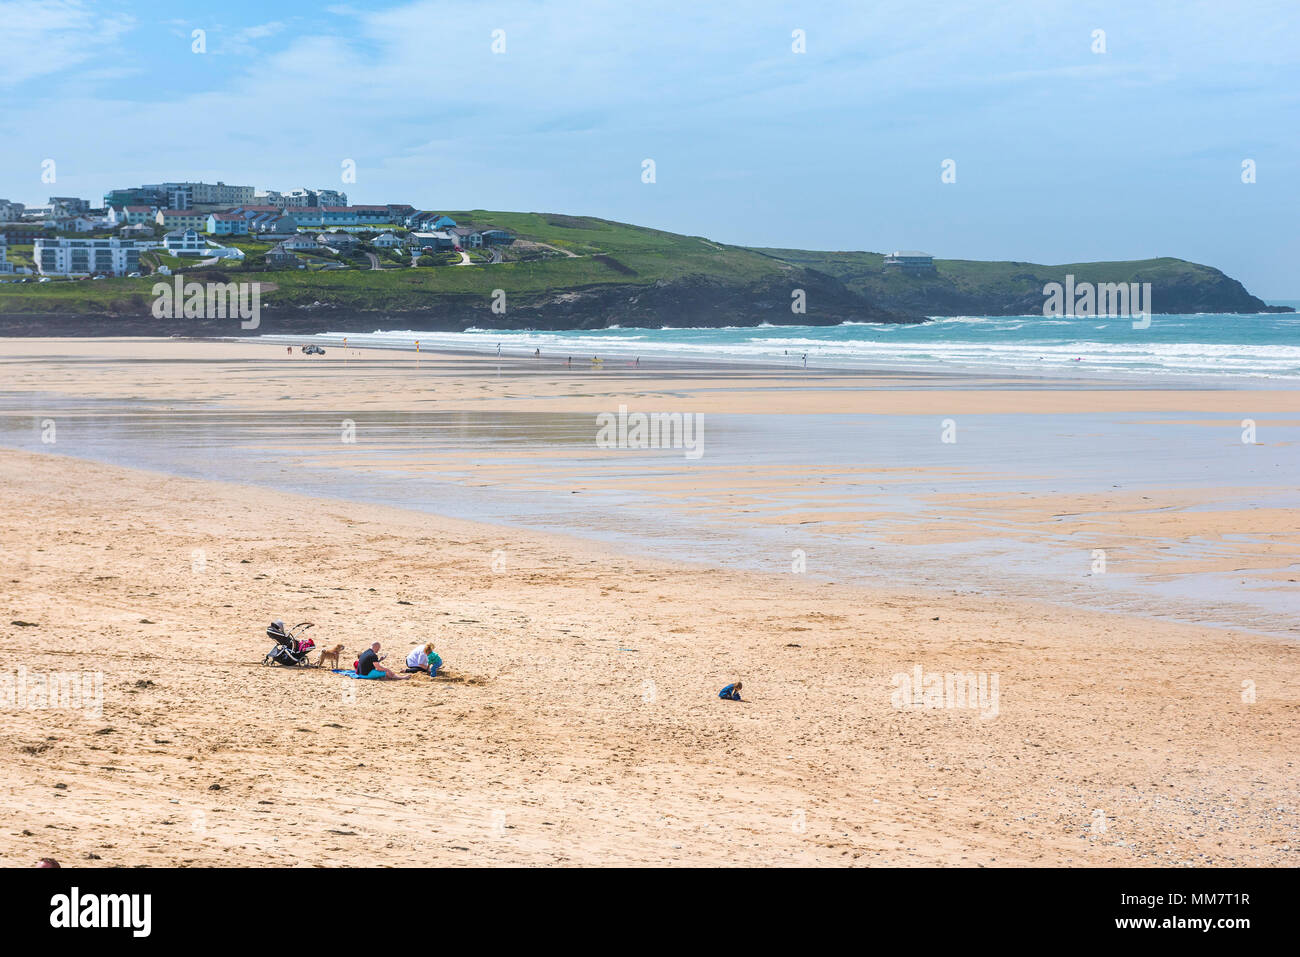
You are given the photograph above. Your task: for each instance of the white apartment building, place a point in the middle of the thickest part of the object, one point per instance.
(62, 256)
(298, 198)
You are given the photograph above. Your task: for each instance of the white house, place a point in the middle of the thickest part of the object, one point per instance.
(73, 224)
(337, 239)
(300, 242)
(11, 212)
(386, 241)
(140, 214)
(185, 242)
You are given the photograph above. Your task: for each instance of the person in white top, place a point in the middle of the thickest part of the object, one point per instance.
(418, 659)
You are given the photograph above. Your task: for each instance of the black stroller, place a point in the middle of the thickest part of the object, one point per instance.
(289, 649)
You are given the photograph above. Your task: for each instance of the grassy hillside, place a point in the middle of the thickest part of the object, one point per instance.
(554, 252)
(1010, 288)
(558, 260)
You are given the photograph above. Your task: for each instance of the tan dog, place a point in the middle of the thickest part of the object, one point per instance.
(332, 654)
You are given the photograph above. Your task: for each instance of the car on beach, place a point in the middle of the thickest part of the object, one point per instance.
(313, 350)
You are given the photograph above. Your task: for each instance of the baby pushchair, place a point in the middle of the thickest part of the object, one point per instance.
(289, 649)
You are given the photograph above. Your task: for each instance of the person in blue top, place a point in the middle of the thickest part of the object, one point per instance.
(731, 692)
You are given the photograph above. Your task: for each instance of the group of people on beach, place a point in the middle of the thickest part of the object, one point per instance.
(421, 659)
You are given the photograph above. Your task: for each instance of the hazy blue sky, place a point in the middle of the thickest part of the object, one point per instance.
(1062, 154)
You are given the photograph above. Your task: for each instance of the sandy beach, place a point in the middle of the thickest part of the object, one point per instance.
(577, 721)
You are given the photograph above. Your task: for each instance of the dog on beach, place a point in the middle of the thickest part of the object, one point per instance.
(332, 654)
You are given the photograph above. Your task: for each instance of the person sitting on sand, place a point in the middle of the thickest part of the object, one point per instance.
(423, 658)
(368, 666)
(731, 692)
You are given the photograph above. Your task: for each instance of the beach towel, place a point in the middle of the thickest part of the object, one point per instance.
(349, 673)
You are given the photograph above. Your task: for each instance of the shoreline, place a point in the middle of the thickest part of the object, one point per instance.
(657, 357)
(847, 469)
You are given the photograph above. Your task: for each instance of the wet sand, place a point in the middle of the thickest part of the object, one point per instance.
(1044, 481)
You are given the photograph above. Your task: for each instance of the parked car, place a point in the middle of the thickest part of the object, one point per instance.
(313, 350)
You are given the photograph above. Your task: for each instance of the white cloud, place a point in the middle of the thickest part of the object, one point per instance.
(40, 37)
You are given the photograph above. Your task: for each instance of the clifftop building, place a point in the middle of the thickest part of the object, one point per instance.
(910, 260)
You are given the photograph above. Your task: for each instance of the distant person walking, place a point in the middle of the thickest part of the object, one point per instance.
(498, 350)
(805, 360)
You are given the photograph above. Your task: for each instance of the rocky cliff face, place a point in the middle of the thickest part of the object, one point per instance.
(693, 301)
(700, 301)
(1200, 294)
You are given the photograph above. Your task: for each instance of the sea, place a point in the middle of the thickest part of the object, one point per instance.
(1204, 345)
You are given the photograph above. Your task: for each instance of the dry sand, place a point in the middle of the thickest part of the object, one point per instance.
(580, 723)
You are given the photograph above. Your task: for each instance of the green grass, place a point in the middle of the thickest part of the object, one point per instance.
(20, 254)
(603, 252)
(865, 273)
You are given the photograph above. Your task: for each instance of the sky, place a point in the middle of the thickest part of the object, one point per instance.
(1062, 153)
